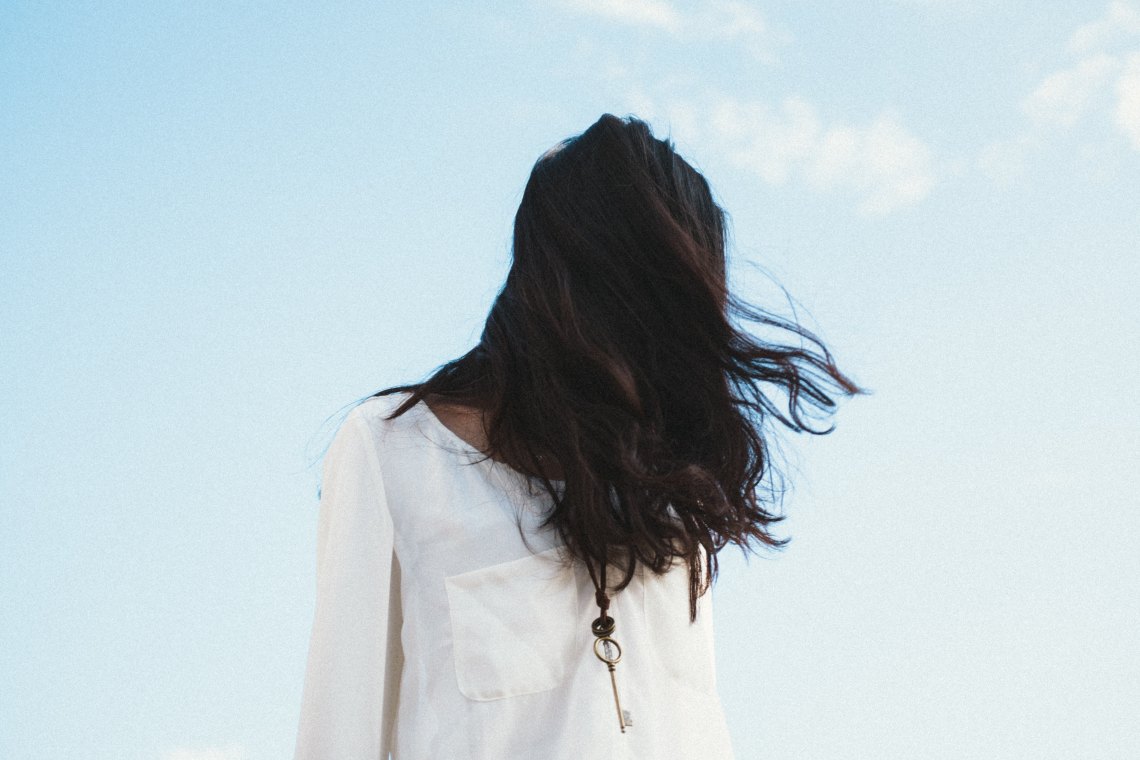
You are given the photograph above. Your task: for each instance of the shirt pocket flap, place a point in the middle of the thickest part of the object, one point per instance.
(513, 625)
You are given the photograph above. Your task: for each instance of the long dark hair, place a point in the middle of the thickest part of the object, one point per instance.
(611, 350)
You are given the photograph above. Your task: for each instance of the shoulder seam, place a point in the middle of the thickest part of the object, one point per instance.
(371, 413)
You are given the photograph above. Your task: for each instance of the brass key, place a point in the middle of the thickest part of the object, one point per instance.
(611, 657)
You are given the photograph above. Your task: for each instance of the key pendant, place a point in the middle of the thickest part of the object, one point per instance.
(608, 651)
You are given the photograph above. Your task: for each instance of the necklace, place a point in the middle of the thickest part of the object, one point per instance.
(606, 648)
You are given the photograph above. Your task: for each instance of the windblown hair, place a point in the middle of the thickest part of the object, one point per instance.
(611, 350)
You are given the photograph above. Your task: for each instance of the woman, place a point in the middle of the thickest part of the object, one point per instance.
(612, 412)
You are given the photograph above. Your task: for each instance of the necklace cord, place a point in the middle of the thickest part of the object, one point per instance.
(600, 595)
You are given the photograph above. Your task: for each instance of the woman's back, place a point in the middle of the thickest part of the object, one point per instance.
(440, 634)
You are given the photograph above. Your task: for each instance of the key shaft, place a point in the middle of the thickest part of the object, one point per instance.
(610, 659)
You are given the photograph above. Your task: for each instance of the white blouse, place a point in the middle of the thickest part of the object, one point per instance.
(438, 635)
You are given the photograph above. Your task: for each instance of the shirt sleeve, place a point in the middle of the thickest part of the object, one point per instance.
(352, 674)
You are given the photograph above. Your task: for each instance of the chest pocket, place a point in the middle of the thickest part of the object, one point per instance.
(513, 626)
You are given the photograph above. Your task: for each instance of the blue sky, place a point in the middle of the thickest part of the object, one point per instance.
(223, 223)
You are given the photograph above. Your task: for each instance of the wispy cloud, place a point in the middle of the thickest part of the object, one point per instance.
(1101, 79)
(231, 752)
(878, 162)
(651, 13)
(1121, 21)
(1128, 100)
(884, 165)
(726, 21)
(1064, 96)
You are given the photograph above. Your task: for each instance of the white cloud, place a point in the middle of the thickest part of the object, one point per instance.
(770, 143)
(232, 752)
(1121, 20)
(1063, 96)
(892, 168)
(1089, 85)
(652, 13)
(882, 163)
(730, 21)
(1128, 100)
